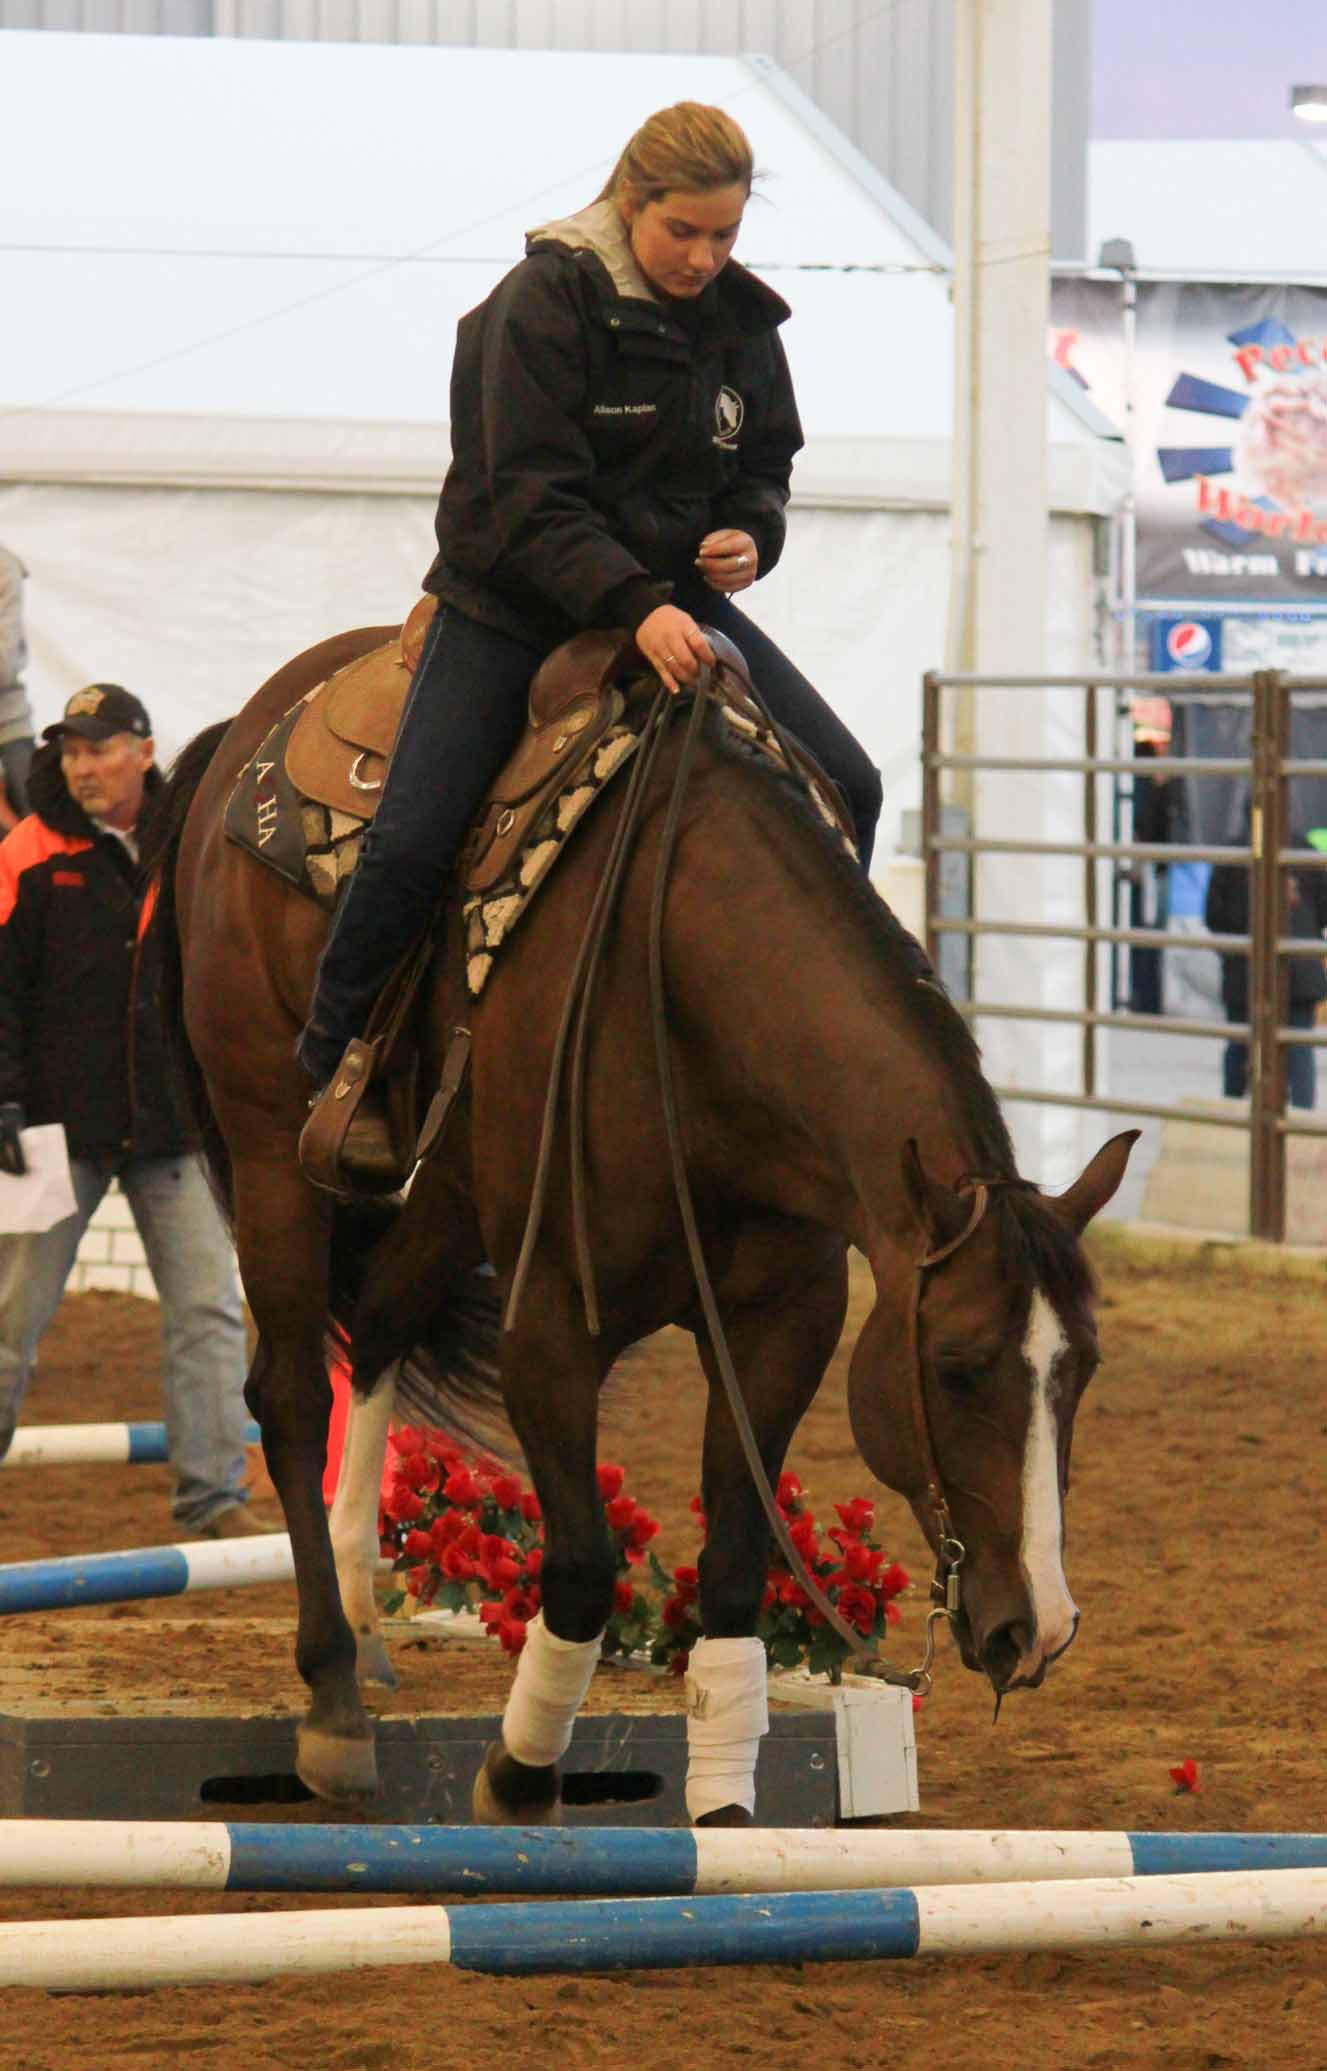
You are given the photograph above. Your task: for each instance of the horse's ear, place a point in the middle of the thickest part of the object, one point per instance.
(1097, 1182)
(939, 1210)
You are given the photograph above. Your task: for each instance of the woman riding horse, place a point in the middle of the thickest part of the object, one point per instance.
(623, 428)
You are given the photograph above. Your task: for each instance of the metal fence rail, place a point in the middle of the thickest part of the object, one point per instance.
(1269, 768)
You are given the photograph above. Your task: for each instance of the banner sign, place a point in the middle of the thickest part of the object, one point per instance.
(1229, 428)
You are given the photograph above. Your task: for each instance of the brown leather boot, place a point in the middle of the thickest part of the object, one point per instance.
(346, 1145)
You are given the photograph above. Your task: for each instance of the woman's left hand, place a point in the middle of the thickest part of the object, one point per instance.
(728, 561)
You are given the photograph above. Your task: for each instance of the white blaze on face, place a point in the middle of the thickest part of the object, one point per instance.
(1055, 1609)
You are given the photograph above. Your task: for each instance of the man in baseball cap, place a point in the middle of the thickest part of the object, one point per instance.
(99, 712)
(81, 1043)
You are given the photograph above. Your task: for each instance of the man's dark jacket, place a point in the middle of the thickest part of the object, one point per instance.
(597, 437)
(80, 1033)
(1227, 913)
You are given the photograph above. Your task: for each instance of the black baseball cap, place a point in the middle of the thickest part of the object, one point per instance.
(99, 711)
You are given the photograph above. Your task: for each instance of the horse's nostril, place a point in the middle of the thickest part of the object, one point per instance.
(1004, 1649)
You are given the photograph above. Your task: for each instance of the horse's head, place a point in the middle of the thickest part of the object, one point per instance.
(999, 1337)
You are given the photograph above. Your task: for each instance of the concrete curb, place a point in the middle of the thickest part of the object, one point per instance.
(1168, 1244)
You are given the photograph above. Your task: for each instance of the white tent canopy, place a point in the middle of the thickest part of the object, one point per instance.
(233, 272)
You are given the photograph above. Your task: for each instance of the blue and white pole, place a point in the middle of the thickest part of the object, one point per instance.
(94, 1445)
(670, 1933)
(112, 1578)
(601, 1862)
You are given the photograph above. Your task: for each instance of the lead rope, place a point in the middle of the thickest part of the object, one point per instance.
(583, 972)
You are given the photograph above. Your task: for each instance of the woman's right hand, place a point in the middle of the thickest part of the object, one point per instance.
(673, 645)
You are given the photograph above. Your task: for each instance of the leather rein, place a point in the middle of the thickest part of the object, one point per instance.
(573, 1031)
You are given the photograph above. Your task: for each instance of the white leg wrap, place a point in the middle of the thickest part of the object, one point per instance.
(354, 1520)
(552, 1677)
(727, 1714)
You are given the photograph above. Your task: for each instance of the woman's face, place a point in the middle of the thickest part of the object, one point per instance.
(683, 239)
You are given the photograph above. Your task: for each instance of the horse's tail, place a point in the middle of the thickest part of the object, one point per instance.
(451, 1377)
(158, 861)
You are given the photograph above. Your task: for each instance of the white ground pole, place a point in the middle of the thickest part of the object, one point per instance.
(671, 1933)
(601, 1862)
(1001, 536)
(354, 1522)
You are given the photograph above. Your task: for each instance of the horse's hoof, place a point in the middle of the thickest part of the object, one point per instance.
(335, 1765)
(507, 1794)
(726, 1816)
(373, 1664)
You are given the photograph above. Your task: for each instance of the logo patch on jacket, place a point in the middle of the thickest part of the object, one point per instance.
(729, 410)
(74, 877)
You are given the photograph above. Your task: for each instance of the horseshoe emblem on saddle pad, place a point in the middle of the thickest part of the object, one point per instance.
(355, 780)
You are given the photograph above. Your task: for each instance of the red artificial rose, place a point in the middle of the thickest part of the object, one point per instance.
(439, 1447)
(511, 1633)
(610, 1481)
(621, 1513)
(530, 1510)
(457, 1566)
(507, 1492)
(789, 1490)
(893, 1581)
(859, 1607)
(520, 1603)
(676, 1613)
(471, 1540)
(407, 1506)
(624, 1598)
(792, 1593)
(678, 1665)
(505, 1573)
(491, 1616)
(420, 1582)
(418, 1543)
(860, 1562)
(687, 1581)
(859, 1515)
(534, 1562)
(644, 1529)
(802, 1532)
(408, 1440)
(1185, 1776)
(461, 1488)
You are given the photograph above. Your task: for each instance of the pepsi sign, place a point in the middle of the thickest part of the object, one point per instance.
(1186, 643)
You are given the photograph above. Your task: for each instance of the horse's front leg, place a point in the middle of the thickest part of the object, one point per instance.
(552, 1373)
(282, 1233)
(780, 1348)
(354, 1524)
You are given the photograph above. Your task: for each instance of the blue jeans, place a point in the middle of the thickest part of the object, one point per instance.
(464, 716)
(1301, 1061)
(202, 1320)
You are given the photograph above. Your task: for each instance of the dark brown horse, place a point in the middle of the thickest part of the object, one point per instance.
(830, 1095)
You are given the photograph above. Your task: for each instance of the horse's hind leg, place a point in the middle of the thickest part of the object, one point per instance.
(780, 1349)
(282, 1232)
(552, 1374)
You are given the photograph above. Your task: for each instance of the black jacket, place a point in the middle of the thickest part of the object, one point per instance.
(597, 437)
(80, 1036)
(1227, 913)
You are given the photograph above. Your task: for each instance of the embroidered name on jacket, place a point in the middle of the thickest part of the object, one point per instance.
(624, 410)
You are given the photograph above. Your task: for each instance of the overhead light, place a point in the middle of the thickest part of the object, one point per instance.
(1309, 103)
(1116, 255)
